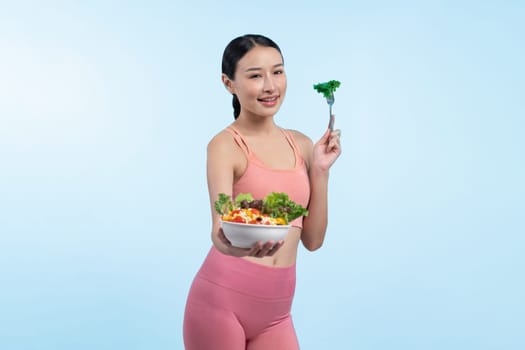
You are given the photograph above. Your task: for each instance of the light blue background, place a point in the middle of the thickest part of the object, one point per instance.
(105, 112)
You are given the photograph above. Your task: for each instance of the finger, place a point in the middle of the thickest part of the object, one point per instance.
(275, 248)
(326, 136)
(267, 248)
(333, 146)
(256, 249)
(262, 250)
(335, 137)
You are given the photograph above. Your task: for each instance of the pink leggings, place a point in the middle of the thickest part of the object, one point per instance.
(234, 304)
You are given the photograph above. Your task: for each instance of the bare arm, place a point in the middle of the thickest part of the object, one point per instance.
(220, 174)
(314, 225)
(320, 158)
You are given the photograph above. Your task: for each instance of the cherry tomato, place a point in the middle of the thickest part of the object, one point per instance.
(238, 219)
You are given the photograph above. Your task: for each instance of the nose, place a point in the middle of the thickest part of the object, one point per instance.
(269, 84)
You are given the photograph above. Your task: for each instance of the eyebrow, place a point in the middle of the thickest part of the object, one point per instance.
(259, 68)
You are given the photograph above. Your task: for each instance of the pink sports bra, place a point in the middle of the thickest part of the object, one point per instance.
(260, 180)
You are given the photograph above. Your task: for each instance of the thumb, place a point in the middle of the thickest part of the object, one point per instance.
(325, 137)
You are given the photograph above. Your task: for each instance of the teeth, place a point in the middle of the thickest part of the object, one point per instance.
(269, 99)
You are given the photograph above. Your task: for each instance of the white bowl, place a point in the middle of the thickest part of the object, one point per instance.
(246, 235)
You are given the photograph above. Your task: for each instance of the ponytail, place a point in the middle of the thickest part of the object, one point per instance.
(236, 106)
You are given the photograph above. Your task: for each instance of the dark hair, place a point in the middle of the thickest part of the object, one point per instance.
(236, 50)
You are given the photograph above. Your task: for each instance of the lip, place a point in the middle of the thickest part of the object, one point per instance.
(269, 101)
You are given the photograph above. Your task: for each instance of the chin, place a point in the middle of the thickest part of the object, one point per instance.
(268, 114)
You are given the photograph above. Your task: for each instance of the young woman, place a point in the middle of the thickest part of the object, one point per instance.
(241, 298)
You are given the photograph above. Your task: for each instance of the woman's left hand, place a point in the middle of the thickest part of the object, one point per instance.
(327, 150)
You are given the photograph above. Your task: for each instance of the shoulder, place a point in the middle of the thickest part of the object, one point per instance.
(300, 138)
(304, 143)
(221, 140)
(223, 149)
(223, 144)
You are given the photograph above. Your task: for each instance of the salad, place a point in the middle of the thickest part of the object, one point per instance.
(275, 209)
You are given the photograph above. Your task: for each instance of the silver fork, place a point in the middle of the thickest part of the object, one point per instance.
(330, 100)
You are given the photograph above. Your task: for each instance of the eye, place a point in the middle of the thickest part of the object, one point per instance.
(254, 76)
(278, 72)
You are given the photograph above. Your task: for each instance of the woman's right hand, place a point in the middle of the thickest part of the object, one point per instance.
(259, 250)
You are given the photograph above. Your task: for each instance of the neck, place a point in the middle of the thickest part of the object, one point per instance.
(259, 125)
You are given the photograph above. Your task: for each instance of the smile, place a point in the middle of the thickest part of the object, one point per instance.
(269, 101)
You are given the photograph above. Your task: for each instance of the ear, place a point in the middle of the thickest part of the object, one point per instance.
(228, 83)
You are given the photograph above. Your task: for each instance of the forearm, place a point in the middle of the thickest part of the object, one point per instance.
(314, 225)
(217, 241)
(223, 248)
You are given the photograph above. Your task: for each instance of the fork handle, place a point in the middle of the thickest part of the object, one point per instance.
(331, 120)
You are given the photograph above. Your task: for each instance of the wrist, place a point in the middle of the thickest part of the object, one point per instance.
(319, 173)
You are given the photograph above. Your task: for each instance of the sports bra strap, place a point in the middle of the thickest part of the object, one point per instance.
(291, 141)
(239, 140)
(243, 145)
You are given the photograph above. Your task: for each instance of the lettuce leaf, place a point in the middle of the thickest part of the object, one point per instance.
(279, 205)
(243, 197)
(328, 88)
(224, 204)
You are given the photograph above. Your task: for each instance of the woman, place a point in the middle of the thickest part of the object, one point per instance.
(241, 298)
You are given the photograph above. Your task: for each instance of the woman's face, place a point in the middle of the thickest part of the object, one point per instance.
(260, 82)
